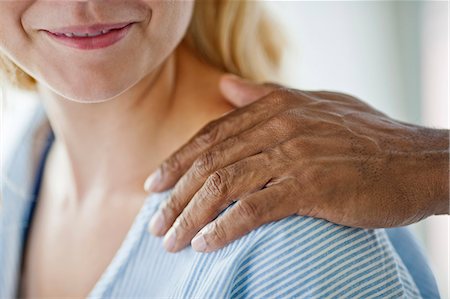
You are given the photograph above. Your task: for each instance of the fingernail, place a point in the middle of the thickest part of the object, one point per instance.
(152, 181)
(199, 242)
(157, 224)
(170, 239)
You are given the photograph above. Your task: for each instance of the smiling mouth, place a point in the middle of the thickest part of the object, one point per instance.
(90, 37)
(88, 31)
(76, 34)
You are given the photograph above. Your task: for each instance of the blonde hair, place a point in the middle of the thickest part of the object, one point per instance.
(234, 36)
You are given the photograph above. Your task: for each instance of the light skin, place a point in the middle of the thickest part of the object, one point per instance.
(112, 127)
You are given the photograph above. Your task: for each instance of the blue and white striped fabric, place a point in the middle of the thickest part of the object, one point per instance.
(297, 257)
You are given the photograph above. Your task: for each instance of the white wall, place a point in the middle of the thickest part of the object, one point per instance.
(346, 46)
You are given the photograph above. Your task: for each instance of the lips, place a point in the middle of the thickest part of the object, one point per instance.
(90, 37)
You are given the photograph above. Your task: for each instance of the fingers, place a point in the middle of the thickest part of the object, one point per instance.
(218, 130)
(248, 143)
(241, 92)
(233, 149)
(217, 193)
(267, 205)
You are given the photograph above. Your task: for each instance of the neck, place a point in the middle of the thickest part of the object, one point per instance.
(110, 147)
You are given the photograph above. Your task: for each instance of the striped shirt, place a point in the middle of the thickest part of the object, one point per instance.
(297, 257)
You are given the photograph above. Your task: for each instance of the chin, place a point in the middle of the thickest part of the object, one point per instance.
(93, 96)
(90, 99)
(102, 90)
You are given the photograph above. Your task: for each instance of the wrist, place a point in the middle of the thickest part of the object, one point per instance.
(431, 174)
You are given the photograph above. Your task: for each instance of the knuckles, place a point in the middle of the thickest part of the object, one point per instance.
(209, 134)
(205, 164)
(185, 221)
(218, 184)
(280, 96)
(248, 210)
(172, 207)
(285, 124)
(291, 121)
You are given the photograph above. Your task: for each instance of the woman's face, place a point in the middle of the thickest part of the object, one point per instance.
(126, 40)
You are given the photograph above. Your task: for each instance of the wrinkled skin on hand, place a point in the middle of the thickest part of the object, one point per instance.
(313, 153)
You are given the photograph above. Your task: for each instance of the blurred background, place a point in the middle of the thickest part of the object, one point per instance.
(393, 55)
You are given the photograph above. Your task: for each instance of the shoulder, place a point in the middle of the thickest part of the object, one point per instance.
(309, 257)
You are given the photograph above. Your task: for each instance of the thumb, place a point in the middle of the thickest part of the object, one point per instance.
(241, 92)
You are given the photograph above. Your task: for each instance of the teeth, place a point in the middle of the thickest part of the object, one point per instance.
(79, 34)
(73, 34)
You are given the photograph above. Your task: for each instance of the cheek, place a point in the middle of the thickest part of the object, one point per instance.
(14, 42)
(171, 18)
(168, 26)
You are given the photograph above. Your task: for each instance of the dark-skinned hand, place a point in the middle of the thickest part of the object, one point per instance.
(286, 152)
